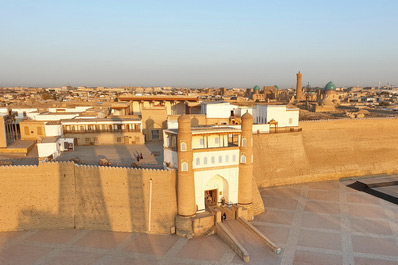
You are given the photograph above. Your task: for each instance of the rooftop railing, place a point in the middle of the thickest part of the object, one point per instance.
(101, 131)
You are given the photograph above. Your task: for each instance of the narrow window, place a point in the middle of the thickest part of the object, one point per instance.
(216, 140)
(205, 160)
(183, 146)
(26, 129)
(213, 160)
(184, 166)
(244, 142)
(39, 131)
(201, 142)
(220, 159)
(119, 139)
(243, 159)
(226, 159)
(197, 161)
(233, 158)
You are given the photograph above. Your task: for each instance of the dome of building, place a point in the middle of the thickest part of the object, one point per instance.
(247, 115)
(276, 87)
(330, 86)
(256, 87)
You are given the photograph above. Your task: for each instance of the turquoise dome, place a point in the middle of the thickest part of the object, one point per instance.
(256, 87)
(276, 87)
(330, 86)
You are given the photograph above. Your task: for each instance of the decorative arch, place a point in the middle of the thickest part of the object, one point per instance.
(221, 185)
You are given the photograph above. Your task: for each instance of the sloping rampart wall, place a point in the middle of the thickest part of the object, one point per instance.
(327, 150)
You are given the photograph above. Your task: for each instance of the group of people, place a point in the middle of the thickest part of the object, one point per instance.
(140, 156)
(209, 199)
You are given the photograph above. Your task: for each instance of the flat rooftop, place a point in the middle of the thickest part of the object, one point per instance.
(117, 155)
(314, 223)
(21, 144)
(102, 120)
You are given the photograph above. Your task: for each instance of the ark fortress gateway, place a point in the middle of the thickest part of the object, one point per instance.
(214, 164)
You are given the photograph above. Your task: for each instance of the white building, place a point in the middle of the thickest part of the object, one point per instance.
(285, 117)
(215, 162)
(217, 109)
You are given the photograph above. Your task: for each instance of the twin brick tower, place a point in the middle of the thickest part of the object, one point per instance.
(210, 158)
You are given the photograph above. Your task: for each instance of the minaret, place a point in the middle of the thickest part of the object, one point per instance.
(299, 87)
(186, 206)
(245, 196)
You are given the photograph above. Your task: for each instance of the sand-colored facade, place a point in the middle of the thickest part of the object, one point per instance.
(32, 130)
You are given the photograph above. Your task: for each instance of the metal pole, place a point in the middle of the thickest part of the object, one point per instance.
(150, 205)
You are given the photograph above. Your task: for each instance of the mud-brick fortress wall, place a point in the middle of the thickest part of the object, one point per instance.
(327, 150)
(118, 199)
(64, 195)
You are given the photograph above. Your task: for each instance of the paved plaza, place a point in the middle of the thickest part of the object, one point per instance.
(315, 223)
(117, 155)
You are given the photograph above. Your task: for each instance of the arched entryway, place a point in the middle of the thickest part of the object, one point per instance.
(216, 190)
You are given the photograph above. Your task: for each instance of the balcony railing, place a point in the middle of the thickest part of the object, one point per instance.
(101, 131)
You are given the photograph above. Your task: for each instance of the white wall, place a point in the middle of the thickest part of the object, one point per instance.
(209, 141)
(294, 115)
(218, 110)
(239, 112)
(47, 149)
(285, 117)
(202, 178)
(53, 130)
(62, 141)
(172, 124)
(55, 117)
(231, 154)
(262, 128)
(170, 157)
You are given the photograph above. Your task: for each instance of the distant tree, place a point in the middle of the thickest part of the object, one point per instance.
(46, 96)
(384, 103)
(116, 100)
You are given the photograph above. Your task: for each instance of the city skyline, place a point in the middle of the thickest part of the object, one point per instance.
(209, 44)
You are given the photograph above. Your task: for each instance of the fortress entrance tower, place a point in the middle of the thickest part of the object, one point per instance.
(215, 167)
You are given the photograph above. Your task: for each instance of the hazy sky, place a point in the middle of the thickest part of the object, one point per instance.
(198, 43)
